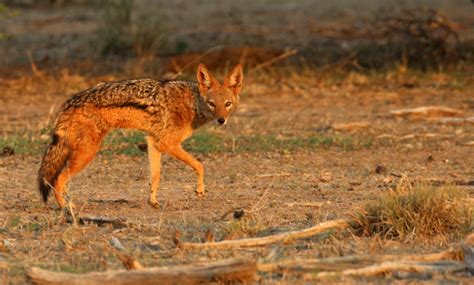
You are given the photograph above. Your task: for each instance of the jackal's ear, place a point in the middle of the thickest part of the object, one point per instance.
(234, 79)
(205, 79)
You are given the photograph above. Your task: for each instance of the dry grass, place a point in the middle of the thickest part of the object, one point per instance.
(416, 210)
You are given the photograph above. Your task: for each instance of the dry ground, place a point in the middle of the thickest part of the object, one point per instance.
(282, 146)
(262, 178)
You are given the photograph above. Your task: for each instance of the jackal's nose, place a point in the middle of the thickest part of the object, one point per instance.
(221, 121)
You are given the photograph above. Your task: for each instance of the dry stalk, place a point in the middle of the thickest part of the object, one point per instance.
(181, 69)
(273, 60)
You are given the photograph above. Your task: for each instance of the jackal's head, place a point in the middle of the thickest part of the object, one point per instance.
(221, 98)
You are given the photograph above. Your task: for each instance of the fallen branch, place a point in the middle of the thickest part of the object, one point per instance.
(98, 220)
(458, 258)
(283, 237)
(428, 111)
(396, 266)
(359, 260)
(115, 222)
(230, 270)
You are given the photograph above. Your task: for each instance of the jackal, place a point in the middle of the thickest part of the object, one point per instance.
(168, 111)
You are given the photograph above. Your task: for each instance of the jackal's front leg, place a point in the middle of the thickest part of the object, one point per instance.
(154, 157)
(181, 154)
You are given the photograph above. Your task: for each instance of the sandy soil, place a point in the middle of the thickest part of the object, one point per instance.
(277, 102)
(262, 183)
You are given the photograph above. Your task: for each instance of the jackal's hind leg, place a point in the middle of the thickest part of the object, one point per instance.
(154, 157)
(79, 159)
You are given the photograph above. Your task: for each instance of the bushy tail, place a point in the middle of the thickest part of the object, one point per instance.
(54, 161)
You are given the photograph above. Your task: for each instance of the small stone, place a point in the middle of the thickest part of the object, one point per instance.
(115, 242)
(238, 213)
(7, 243)
(7, 151)
(45, 137)
(142, 146)
(380, 169)
(325, 176)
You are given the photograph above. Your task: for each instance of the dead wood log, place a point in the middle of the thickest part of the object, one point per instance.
(283, 237)
(453, 254)
(428, 111)
(458, 258)
(388, 267)
(230, 270)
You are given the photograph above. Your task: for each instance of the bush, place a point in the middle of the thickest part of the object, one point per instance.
(417, 210)
(419, 37)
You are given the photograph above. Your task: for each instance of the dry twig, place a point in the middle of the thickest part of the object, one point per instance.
(273, 60)
(307, 204)
(283, 237)
(428, 111)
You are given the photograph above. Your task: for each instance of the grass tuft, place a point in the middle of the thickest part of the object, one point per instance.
(415, 210)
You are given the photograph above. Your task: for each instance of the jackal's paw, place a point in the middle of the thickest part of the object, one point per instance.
(69, 206)
(55, 207)
(154, 204)
(200, 193)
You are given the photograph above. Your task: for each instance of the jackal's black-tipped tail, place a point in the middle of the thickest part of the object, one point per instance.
(54, 160)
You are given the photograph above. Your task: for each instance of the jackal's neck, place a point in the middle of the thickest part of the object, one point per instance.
(203, 114)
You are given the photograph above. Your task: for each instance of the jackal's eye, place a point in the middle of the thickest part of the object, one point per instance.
(211, 104)
(228, 104)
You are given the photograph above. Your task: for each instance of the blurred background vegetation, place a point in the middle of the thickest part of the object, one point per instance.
(158, 37)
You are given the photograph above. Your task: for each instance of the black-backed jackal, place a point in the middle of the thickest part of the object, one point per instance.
(168, 111)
